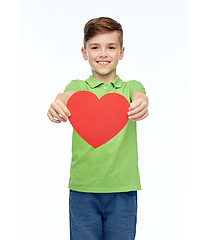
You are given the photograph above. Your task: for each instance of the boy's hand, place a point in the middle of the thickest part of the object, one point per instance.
(138, 109)
(58, 112)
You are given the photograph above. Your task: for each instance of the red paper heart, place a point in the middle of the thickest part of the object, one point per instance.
(97, 120)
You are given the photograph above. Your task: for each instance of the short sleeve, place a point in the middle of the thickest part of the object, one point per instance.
(135, 85)
(76, 85)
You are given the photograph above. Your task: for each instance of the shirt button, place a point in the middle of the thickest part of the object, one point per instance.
(105, 87)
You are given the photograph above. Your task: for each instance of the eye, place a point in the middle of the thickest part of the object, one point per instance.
(94, 47)
(112, 47)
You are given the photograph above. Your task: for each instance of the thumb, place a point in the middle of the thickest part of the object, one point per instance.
(131, 106)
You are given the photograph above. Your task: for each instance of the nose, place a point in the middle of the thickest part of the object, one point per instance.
(103, 53)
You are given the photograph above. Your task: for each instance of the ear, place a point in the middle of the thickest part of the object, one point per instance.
(84, 53)
(121, 53)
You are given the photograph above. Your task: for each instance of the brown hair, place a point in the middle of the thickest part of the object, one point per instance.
(102, 25)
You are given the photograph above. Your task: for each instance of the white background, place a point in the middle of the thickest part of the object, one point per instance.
(40, 54)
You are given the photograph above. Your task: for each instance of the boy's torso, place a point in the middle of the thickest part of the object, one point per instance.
(112, 167)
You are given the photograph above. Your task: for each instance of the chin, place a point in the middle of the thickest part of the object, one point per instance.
(103, 73)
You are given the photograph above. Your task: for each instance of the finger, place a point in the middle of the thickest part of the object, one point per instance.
(58, 106)
(63, 108)
(132, 112)
(143, 117)
(56, 115)
(66, 111)
(52, 118)
(139, 114)
(134, 104)
(136, 110)
(57, 112)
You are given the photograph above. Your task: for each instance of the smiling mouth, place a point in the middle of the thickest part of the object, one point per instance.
(103, 63)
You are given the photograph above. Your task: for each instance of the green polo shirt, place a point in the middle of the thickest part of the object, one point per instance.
(112, 167)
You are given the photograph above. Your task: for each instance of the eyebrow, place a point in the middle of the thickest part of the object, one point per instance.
(98, 44)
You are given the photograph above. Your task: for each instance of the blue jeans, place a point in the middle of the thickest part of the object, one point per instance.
(102, 216)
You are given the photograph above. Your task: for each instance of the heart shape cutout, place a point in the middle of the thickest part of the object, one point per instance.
(97, 120)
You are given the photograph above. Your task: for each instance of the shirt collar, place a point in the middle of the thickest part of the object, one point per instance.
(94, 82)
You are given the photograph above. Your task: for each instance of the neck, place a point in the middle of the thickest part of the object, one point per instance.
(105, 78)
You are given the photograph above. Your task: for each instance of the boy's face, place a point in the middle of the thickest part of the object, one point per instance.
(103, 52)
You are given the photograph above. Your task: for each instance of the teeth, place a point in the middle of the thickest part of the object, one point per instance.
(103, 62)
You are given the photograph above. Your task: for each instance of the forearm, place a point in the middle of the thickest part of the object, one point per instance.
(138, 109)
(138, 94)
(64, 97)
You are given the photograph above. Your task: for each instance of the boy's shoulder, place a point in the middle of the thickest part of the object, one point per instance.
(76, 85)
(134, 85)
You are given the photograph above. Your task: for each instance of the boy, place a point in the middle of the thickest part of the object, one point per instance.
(104, 181)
